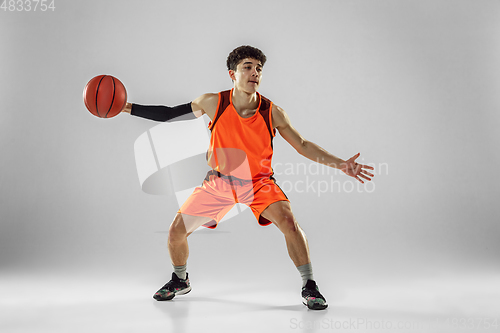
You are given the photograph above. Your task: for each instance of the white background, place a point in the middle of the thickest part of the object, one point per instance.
(412, 85)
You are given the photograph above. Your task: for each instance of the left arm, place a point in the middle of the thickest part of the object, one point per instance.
(314, 152)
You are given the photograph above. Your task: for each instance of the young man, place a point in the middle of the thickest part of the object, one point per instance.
(243, 124)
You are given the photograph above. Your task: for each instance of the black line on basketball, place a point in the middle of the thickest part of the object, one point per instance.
(97, 92)
(113, 100)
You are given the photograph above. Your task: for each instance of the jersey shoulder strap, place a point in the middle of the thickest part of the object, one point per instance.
(265, 110)
(224, 101)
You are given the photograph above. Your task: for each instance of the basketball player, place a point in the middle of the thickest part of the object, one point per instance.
(243, 125)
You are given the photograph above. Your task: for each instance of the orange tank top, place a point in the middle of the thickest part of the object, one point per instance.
(241, 147)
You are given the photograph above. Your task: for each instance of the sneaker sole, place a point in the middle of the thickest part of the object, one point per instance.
(181, 292)
(315, 306)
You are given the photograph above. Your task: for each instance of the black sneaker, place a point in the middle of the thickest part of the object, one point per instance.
(312, 298)
(173, 287)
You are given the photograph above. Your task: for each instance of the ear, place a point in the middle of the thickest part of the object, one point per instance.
(231, 75)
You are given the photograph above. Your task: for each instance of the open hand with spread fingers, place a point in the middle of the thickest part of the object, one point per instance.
(356, 170)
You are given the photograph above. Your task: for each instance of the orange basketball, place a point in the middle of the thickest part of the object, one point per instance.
(105, 96)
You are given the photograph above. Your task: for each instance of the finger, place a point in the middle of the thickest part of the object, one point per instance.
(363, 176)
(355, 156)
(359, 180)
(367, 173)
(368, 167)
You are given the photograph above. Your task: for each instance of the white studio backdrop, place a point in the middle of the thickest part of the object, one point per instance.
(412, 85)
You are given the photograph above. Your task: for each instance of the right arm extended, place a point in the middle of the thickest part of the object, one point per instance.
(205, 104)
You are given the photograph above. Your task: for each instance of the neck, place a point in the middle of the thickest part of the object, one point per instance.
(243, 100)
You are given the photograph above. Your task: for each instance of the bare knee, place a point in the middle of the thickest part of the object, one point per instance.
(287, 224)
(177, 231)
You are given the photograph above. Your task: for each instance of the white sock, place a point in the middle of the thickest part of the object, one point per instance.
(180, 271)
(306, 272)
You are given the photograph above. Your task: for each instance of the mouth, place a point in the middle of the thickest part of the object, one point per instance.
(254, 82)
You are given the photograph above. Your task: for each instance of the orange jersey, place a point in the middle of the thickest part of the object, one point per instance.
(241, 147)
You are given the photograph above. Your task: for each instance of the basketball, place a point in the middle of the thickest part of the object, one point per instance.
(105, 96)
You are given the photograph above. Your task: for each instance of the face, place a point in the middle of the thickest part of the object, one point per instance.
(248, 75)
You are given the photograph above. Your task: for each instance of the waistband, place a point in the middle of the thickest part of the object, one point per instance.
(231, 179)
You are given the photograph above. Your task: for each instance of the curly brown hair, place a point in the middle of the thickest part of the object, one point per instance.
(242, 52)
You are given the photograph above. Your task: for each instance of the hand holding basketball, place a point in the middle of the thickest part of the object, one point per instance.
(105, 96)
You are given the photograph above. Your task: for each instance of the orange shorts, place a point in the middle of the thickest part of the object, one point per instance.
(219, 193)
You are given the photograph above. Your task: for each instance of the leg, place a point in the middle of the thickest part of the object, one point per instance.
(205, 201)
(208, 200)
(182, 226)
(280, 213)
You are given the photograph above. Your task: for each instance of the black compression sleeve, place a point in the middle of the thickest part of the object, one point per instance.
(163, 113)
